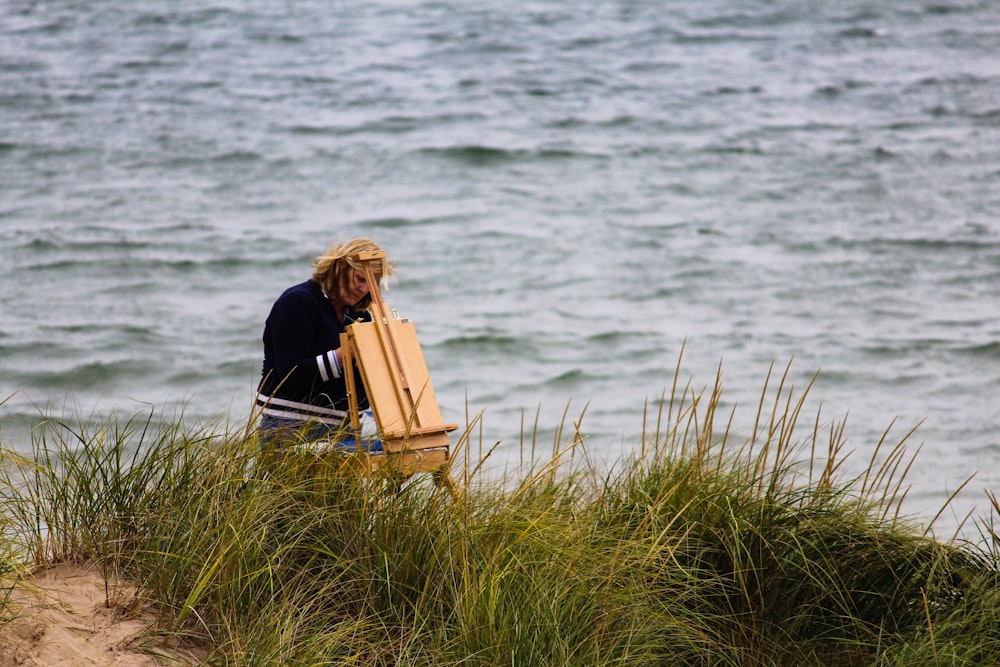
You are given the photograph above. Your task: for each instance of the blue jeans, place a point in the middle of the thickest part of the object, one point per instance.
(281, 428)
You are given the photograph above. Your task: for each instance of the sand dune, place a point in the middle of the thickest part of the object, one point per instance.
(65, 616)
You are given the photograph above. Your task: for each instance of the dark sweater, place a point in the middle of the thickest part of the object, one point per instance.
(301, 378)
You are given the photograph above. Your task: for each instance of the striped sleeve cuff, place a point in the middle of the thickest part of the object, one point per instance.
(329, 367)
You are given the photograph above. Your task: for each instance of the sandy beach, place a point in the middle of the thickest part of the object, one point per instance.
(64, 618)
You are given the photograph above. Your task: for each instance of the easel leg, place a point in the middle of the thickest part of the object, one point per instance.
(347, 363)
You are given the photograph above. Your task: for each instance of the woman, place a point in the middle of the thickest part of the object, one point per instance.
(302, 388)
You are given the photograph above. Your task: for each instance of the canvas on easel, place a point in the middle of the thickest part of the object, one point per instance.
(398, 386)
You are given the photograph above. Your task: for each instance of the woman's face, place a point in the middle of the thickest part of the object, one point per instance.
(356, 287)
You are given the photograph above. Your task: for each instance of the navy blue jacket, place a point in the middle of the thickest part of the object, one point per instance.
(301, 378)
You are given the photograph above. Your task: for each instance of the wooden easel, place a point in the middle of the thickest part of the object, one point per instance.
(399, 390)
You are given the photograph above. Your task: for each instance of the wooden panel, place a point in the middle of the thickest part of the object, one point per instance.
(404, 463)
(411, 462)
(416, 442)
(415, 369)
(406, 414)
(381, 382)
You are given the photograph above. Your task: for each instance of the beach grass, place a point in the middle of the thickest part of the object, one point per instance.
(702, 548)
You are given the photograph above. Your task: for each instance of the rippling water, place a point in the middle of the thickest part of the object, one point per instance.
(570, 190)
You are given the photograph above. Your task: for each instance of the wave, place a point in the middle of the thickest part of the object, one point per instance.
(489, 343)
(989, 350)
(842, 88)
(902, 348)
(722, 91)
(990, 118)
(387, 223)
(127, 261)
(89, 375)
(312, 130)
(33, 349)
(21, 65)
(880, 154)
(776, 17)
(613, 337)
(134, 331)
(862, 32)
(471, 154)
(925, 244)
(941, 9)
(719, 149)
(484, 156)
(47, 25)
(906, 348)
(720, 37)
(395, 222)
(571, 378)
(51, 243)
(183, 18)
(390, 124)
(202, 376)
(235, 157)
(180, 161)
(986, 451)
(964, 79)
(650, 66)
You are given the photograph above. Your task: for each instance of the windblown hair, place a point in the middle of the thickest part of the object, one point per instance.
(332, 269)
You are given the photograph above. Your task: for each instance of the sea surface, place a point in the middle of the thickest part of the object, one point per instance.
(573, 192)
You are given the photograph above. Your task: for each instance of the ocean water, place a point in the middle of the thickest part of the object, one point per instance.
(573, 192)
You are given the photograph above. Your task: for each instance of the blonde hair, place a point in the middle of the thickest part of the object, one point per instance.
(332, 269)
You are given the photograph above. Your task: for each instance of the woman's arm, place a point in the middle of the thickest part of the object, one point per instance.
(296, 327)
